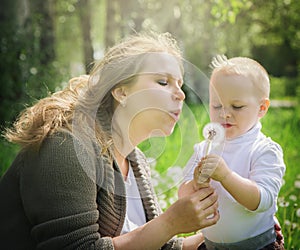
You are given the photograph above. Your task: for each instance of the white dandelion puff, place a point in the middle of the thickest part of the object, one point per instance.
(297, 184)
(214, 135)
(293, 197)
(298, 212)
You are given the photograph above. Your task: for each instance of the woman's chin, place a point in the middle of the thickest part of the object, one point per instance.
(162, 132)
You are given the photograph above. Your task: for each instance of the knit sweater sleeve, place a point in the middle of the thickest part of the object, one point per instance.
(59, 196)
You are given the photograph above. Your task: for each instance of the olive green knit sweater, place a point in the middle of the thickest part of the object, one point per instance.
(64, 197)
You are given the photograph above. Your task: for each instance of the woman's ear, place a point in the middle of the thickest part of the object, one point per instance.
(120, 95)
(263, 108)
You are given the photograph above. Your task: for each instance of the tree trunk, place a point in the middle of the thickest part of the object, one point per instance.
(84, 8)
(112, 25)
(44, 12)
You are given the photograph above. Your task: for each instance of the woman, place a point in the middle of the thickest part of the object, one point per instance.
(79, 181)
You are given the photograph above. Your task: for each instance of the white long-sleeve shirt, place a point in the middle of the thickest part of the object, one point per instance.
(255, 157)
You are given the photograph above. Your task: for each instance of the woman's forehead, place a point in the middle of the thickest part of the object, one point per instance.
(162, 64)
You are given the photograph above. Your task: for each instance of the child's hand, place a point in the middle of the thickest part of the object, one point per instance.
(213, 166)
(200, 180)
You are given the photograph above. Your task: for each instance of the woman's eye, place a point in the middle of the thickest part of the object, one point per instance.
(162, 82)
(217, 107)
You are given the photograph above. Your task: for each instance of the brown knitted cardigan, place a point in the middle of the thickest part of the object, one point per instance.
(62, 197)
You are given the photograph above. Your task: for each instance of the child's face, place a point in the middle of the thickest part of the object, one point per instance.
(234, 103)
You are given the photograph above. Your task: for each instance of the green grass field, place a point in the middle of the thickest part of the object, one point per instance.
(169, 155)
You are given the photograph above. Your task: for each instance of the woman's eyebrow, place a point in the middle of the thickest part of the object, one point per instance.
(165, 74)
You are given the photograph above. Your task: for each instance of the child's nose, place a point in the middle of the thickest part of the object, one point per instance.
(225, 113)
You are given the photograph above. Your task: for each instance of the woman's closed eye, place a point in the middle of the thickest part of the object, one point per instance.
(217, 106)
(162, 82)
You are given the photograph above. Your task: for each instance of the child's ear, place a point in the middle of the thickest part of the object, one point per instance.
(264, 106)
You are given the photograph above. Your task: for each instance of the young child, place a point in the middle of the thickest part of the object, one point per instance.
(248, 168)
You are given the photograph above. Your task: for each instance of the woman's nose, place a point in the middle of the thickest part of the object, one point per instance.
(179, 94)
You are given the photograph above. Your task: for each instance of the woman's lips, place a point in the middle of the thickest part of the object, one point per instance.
(175, 114)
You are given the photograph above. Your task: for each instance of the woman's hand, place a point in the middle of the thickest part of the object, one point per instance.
(191, 212)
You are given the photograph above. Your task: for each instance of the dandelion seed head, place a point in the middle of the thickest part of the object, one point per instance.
(297, 184)
(298, 212)
(163, 204)
(152, 162)
(293, 197)
(175, 173)
(284, 203)
(154, 182)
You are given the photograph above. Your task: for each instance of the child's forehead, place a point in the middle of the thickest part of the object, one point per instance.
(231, 80)
(233, 85)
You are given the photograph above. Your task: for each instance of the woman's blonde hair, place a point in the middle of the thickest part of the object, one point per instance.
(85, 106)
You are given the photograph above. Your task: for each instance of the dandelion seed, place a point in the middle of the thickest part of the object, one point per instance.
(163, 204)
(297, 184)
(284, 203)
(280, 199)
(33, 71)
(287, 223)
(298, 212)
(154, 182)
(293, 197)
(294, 226)
(152, 162)
(175, 173)
(172, 200)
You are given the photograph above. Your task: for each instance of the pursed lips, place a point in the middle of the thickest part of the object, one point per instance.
(175, 114)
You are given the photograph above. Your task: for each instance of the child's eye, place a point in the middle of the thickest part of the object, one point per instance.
(237, 107)
(162, 82)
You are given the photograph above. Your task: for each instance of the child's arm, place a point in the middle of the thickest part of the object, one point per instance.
(244, 191)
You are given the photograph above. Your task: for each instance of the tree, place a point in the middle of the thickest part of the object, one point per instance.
(84, 9)
(11, 45)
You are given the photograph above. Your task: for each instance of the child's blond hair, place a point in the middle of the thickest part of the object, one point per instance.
(246, 67)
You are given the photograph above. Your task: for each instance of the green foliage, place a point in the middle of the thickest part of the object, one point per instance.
(284, 87)
(8, 152)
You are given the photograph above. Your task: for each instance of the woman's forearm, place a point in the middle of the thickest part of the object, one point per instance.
(188, 214)
(153, 235)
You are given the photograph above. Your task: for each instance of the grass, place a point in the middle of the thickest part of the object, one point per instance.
(169, 155)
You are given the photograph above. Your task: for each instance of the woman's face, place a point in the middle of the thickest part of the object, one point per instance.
(153, 103)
